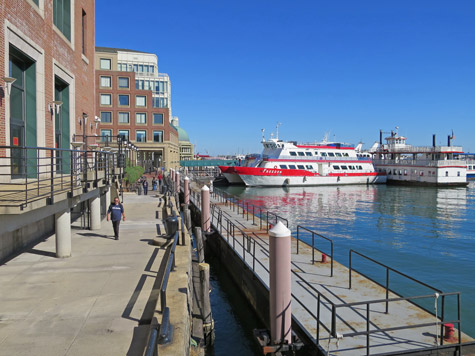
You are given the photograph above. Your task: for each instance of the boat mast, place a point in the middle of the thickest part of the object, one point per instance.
(277, 129)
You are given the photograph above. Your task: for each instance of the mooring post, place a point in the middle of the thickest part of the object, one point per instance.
(177, 180)
(205, 215)
(200, 249)
(186, 190)
(208, 324)
(280, 284)
(187, 218)
(63, 234)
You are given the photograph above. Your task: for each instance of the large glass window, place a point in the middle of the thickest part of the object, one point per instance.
(105, 99)
(157, 136)
(141, 136)
(106, 135)
(124, 134)
(160, 102)
(123, 100)
(62, 16)
(105, 63)
(123, 82)
(140, 100)
(158, 119)
(106, 117)
(123, 118)
(147, 85)
(105, 82)
(141, 118)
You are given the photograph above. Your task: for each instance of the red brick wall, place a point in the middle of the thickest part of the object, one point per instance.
(40, 30)
(115, 108)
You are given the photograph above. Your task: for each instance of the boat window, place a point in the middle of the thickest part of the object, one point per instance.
(291, 166)
(389, 172)
(422, 173)
(283, 166)
(400, 172)
(300, 166)
(395, 172)
(352, 167)
(458, 174)
(446, 173)
(316, 153)
(344, 167)
(331, 154)
(338, 154)
(405, 172)
(307, 153)
(309, 166)
(359, 167)
(301, 153)
(324, 154)
(346, 154)
(336, 167)
(292, 153)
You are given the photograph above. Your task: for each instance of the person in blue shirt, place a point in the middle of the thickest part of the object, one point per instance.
(116, 210)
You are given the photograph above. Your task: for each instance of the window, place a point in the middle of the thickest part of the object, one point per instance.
(331, 154)
(123, 118)
(140, 67)
(307, 153)
(124, 134)
(37, 2)
(301, 153)
(324, 154)
(359, 167)
(336, 168)
(140, 100)
(105, 63)
(106, 117)
(338, 154)
(157, 136)
(446, 173)
(309, 166)
(352, 168)
(123, 100)
(283, 166)
(458, 173)
(160, 102)
(300, 167)
(147, 85)
(345, 154)
(344, 167)
(105, 99)
(62, 16)
(105, 82)
(291, 166)
(141, 136)
(83, 31)
(106, 135)
(123, 82)
(141, 118)
(158, 119)
(293, 153)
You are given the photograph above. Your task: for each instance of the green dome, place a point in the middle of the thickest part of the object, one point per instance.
(182, 135)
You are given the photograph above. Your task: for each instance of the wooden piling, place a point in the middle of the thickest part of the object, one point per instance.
(208, 323)
(199, 245)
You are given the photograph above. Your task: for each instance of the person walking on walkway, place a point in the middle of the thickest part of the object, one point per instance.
(115, 211)
(145, 186)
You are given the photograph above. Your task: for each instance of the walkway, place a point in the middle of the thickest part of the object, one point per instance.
(89, 304)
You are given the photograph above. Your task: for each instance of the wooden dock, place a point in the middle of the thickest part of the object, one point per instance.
(351, 321)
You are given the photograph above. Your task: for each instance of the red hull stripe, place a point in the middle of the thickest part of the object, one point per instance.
(326, 147)
(227, 169)
(316, 160)
(252, 171)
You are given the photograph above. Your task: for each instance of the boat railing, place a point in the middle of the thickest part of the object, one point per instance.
(317, 158)
(422, 149)
(420, 162)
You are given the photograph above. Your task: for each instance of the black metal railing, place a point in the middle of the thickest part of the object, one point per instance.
(29, 174)
(315, 235)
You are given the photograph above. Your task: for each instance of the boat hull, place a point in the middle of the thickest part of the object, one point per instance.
(231, 176)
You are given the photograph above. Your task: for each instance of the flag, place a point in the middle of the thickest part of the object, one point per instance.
(453, 136)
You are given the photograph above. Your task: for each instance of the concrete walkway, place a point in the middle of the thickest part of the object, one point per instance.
(89, 304)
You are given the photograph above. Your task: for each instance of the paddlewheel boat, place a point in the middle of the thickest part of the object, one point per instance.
(292, 164)
(420, 165)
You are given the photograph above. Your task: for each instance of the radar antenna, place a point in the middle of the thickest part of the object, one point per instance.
(277, 130)
(263, 137)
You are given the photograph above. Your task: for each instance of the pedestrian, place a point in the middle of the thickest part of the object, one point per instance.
(160, 177)
(145, 187)
(115, 211)
(154, 184)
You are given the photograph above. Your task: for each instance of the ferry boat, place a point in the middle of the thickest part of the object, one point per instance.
(420, 165)
(292, 164)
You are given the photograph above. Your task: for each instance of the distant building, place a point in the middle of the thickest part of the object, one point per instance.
(186, 147)
(134, 102)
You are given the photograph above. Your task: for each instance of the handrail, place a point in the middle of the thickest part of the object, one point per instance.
(388, 269)
(313, 245)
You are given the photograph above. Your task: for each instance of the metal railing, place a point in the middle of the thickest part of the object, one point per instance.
(315, 234)
(29, 174)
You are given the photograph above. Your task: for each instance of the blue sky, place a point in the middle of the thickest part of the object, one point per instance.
(348, 68)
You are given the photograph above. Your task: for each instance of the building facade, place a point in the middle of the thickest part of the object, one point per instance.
(134, 103)
(186, 147)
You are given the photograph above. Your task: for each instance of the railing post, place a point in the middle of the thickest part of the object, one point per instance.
(280, 284)
(205, 214)
(442, 316)
(333, 331)
(367, 329)
(349, 271)
(387, 290)
(51, 180)
(313, 248)
(318, 319)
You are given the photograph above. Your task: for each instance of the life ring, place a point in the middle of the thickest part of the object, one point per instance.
(275, 166)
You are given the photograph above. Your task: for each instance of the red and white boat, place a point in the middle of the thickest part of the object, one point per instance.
(292, 164)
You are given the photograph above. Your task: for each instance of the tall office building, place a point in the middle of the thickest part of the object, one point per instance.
(134, 102)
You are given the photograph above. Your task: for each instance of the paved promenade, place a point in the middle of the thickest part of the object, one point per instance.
(89, 304)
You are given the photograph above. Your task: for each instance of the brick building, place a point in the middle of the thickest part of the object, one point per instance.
(134, 102)
(47, 71)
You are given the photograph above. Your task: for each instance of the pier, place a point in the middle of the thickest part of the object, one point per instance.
(335, 309)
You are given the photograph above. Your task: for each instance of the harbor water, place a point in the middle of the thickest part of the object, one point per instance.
(425, 232)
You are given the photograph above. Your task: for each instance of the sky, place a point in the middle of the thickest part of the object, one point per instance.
(344, 68)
